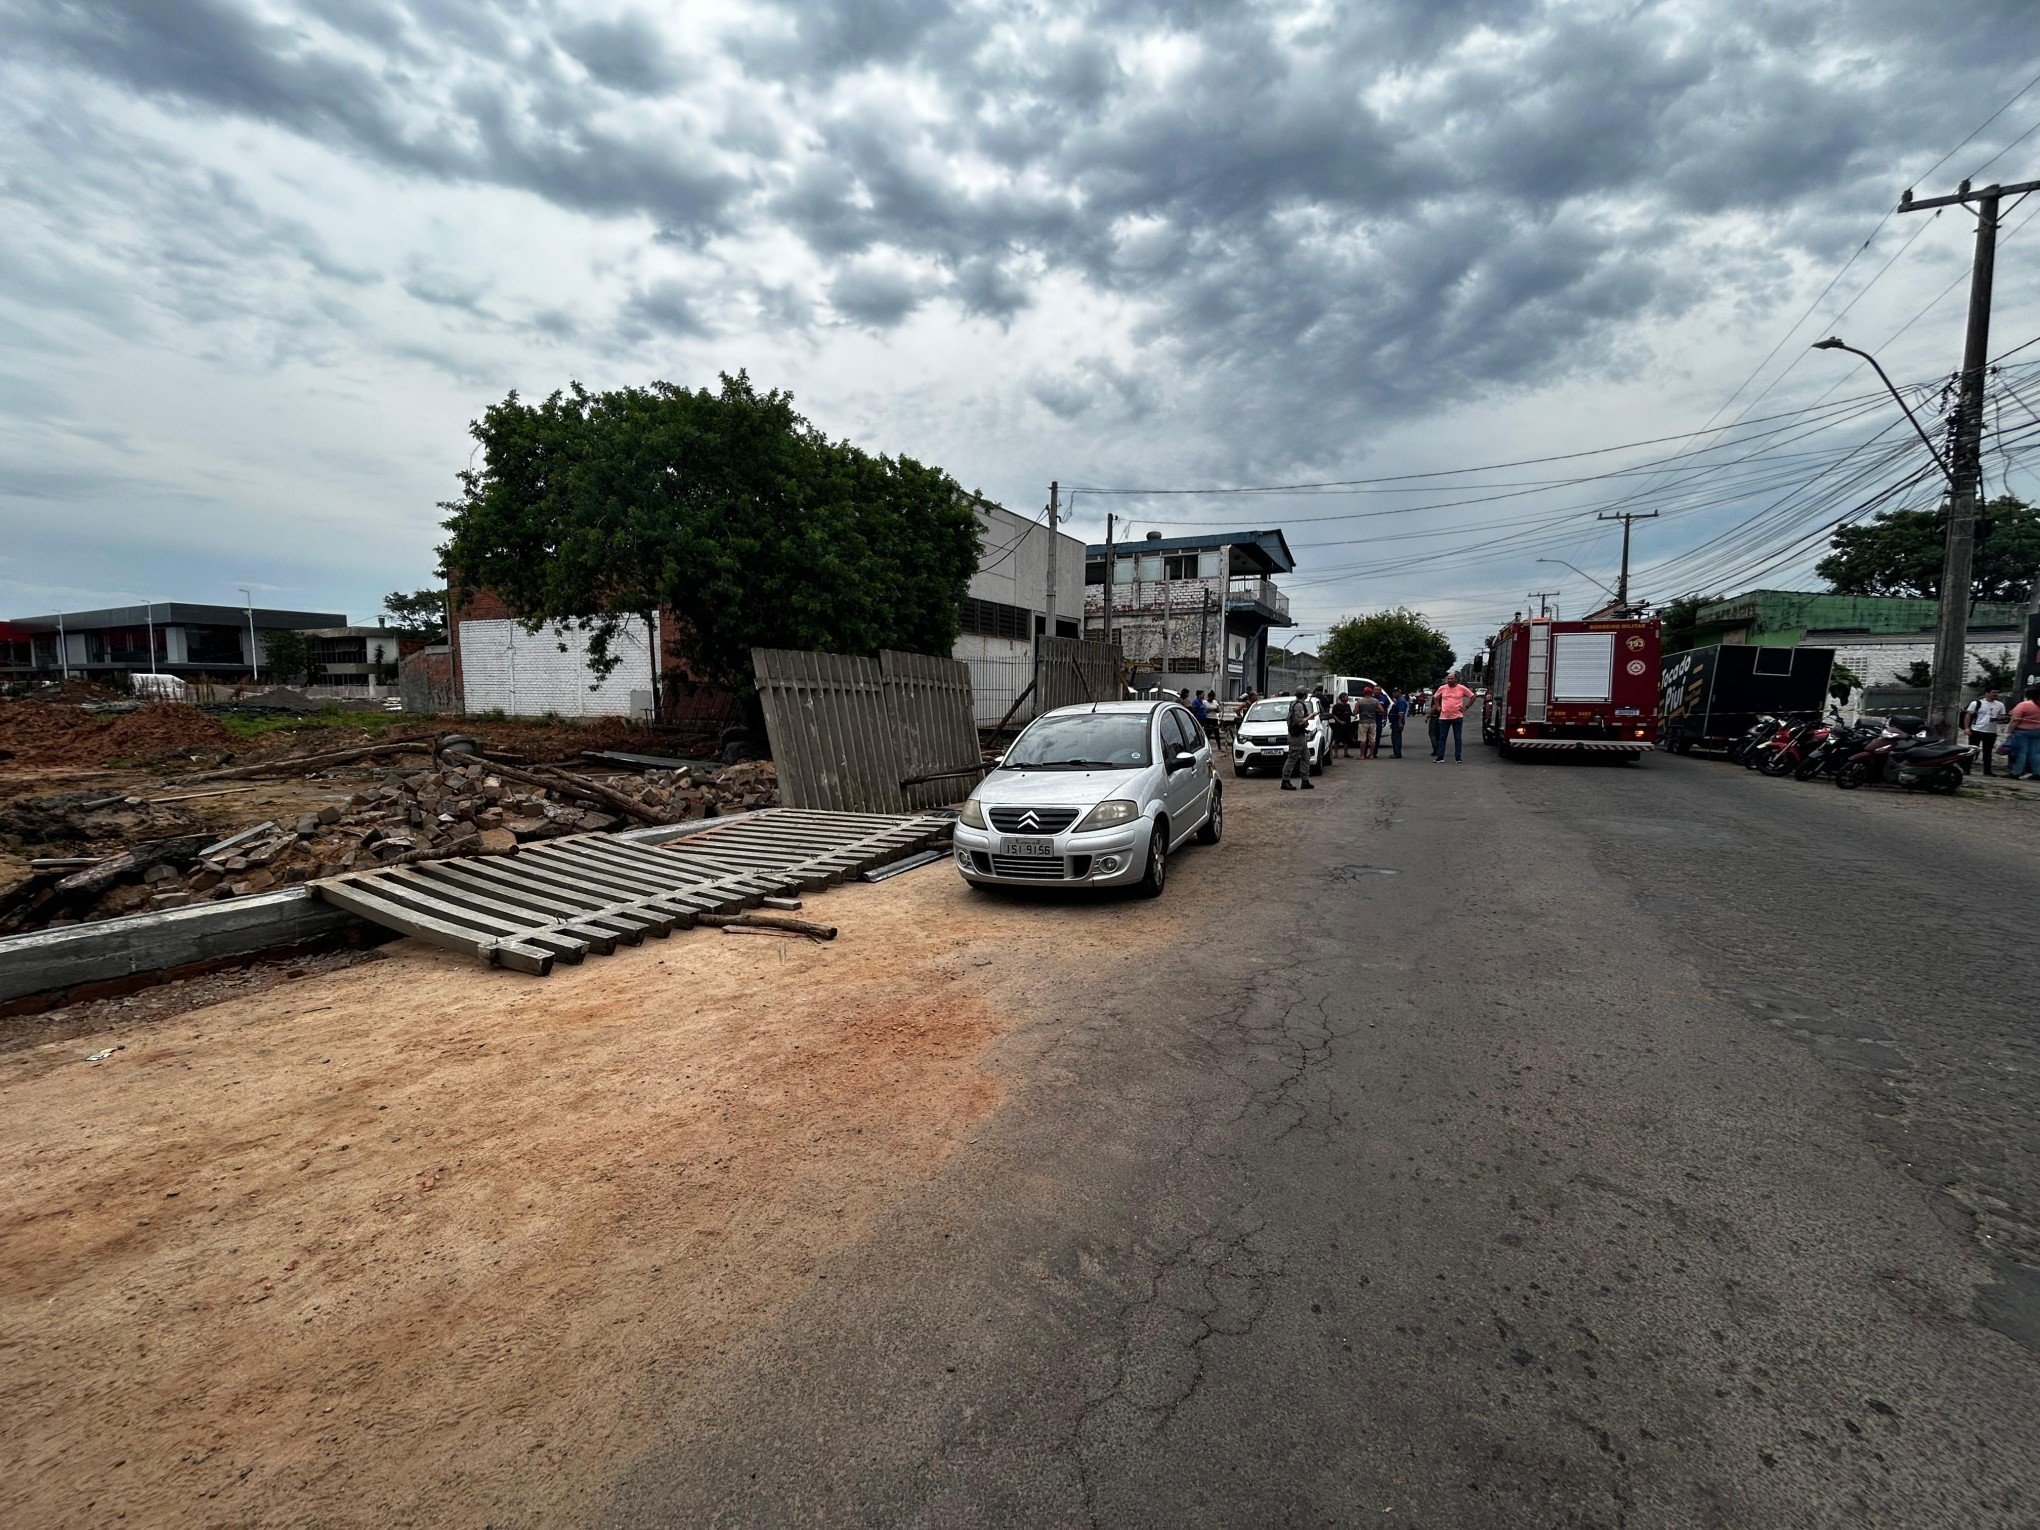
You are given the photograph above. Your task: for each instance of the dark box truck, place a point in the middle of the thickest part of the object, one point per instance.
(1712, 696)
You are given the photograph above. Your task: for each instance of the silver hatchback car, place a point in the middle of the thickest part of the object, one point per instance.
(1093, 796)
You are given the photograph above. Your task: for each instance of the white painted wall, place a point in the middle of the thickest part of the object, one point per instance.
(1013, 565)
(1013, 570)
(524, 674)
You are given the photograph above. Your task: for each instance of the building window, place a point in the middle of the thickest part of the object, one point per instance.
(1186, 665)
(213, 645)
(992, 618)
(128, 645)
(1064, 627)
(340, 650)
(1181, 566)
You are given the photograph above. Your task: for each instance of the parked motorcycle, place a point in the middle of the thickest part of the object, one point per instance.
(1794, 744)
(1834, 751)
(1900, 756)
(1767, 733)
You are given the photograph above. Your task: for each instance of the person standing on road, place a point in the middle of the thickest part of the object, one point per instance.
(1296, 761)
(1367, 722)
(1200, 711)
(1984, 717)
(1343, 728)
(1398, 715)
(1449, 702)
(2023, 743)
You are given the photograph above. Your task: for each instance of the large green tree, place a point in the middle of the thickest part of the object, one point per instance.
(1899, 553)
(1398, 648)
(725, 507)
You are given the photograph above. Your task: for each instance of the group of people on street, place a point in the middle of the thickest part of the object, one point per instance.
(1363, 722)
(1986, 718)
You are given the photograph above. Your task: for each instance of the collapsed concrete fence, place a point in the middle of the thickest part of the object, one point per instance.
(856, 735)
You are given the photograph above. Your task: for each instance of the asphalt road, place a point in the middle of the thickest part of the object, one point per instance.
(1464, 1145)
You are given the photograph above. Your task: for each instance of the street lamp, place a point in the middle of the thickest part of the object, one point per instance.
(1951, 628)
(254, 653)
(1584, 575)
(1836, 343)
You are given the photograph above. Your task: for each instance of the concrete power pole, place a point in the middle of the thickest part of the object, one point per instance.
(1543, 599)
(1106, 635)
(1054, 514)
(1944, 699)
(1622, 584)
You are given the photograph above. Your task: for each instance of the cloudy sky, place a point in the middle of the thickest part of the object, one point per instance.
(262, 260)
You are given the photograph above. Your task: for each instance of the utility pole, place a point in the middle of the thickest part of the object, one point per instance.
(1622, 584)
(1944, 699)
(1048, 605)
(1542, 597)
(1106, 635)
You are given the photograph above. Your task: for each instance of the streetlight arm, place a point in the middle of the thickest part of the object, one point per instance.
(1835, 343)
(1583, 574)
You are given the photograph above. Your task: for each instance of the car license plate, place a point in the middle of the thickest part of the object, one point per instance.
(1041, 847)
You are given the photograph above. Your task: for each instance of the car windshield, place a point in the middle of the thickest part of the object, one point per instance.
(1275, 709)
(1082, 741)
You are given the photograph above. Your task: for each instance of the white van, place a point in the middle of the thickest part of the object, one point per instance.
(1350, 685)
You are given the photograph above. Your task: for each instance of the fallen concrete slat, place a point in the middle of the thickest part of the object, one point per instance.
(587, 891)
(404, 895)
(357, 898)
(584, 913)
(510, 918)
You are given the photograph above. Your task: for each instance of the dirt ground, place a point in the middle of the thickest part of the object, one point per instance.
(415, 1241)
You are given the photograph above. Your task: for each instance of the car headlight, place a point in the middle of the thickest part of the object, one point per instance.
(973, 814)
(1106, 814)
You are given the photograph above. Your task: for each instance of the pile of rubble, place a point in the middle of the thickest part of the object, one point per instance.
(417, 809)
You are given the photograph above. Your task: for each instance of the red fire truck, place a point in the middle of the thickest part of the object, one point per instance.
(1585, 686)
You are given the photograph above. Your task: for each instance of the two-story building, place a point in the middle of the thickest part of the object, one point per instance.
(1190, 613)
(196, 642)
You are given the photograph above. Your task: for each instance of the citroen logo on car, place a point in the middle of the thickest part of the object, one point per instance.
(1030, 819)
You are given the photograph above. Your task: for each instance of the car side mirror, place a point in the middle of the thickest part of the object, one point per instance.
(1182, 759)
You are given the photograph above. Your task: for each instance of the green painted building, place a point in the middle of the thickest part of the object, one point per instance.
(1783, 618)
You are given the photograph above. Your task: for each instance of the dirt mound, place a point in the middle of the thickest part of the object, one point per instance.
(166, 728)
(44, 733)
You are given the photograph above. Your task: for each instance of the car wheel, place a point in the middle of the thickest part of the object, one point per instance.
(1214, 821)
(1157, 873)
(1240, 770)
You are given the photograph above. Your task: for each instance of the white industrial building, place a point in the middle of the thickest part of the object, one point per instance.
(1007, 607)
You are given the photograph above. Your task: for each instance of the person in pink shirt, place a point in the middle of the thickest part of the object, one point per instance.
(2022, 744)
(1449, 701)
